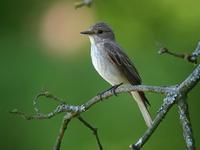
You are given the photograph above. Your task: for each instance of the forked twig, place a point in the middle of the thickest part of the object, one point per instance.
(94, 130)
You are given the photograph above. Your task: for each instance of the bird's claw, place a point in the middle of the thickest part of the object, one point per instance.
(112, 89)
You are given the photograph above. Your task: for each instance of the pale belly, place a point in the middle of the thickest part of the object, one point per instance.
(105, 68)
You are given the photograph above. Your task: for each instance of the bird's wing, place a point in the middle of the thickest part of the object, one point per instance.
(126, 67)
(123, 63)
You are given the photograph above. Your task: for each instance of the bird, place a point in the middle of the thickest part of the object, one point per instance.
(113, 64)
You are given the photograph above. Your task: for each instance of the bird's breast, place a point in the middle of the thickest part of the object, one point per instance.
(104, 66)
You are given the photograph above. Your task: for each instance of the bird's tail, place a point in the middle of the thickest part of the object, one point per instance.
(142, 103)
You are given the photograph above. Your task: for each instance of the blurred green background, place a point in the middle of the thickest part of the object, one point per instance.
(41, 47)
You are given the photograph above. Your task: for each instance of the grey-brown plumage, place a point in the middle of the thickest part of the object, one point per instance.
(114, 65)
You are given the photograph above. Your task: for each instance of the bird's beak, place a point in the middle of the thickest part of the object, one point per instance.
(88, 32)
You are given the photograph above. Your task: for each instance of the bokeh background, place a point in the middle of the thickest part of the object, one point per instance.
(40, 47)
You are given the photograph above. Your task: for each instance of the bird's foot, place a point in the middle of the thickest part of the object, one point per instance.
(112, 89)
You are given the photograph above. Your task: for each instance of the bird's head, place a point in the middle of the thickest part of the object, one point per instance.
(99, 31)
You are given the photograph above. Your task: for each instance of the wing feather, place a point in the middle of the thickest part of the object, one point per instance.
(123, 63)
(125, 66)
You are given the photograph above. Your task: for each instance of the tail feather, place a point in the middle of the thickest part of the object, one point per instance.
(142, 103)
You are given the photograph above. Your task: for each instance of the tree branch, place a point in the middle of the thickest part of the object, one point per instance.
(180, 90)
(173, 94)
(74, 111)
(176, 95)
(64, 125)
(81, 108)
(168, 102)
(185, 121)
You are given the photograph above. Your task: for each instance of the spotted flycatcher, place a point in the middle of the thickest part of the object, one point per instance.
(113, 64)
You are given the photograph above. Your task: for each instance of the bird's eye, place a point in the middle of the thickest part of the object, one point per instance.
(100, 31)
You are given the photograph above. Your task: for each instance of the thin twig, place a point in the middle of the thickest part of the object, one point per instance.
(189, 57)
(47, 94)
(185, 121)
(83, 3)
(59, 109)
(94, 130)
(64, 125)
